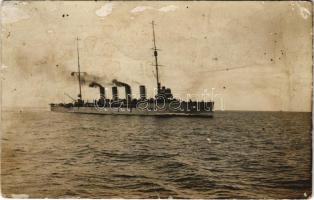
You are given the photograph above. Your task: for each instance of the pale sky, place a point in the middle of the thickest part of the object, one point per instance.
(257, 55)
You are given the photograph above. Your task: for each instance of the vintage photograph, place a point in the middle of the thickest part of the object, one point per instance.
(156, 99)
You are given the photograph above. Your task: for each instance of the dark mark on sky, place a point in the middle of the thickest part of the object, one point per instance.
(232, 68)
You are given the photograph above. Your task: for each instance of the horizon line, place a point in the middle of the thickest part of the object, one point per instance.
(3, 108)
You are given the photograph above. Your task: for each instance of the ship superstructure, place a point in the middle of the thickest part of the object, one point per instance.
(162, 104)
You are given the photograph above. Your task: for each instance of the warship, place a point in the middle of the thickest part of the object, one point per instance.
(163, 103)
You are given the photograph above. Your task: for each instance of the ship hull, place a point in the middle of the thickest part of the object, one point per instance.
(128, 111)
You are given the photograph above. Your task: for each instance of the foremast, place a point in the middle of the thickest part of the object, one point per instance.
(156, 59)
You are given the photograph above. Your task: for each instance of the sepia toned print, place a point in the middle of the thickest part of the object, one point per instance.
(156, 99)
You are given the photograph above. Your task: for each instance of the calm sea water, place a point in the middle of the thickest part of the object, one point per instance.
(233, 155)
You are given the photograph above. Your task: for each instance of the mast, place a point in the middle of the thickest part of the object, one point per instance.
(79, 69)
(156, 60)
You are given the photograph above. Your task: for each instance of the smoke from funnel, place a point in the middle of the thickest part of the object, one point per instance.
(127, 87)
(101, 89)
(87, 78)
(119, 84)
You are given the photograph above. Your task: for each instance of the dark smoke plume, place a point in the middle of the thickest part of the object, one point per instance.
(95, 84)
(101, 89)
(127, 87)
(120, 84)
(87, 78)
